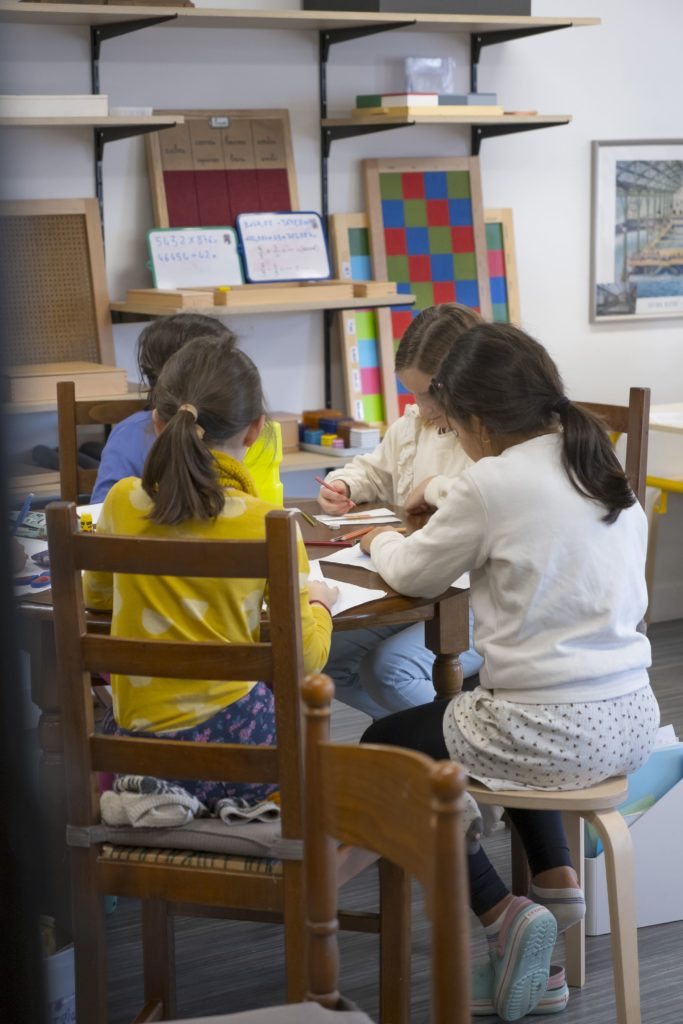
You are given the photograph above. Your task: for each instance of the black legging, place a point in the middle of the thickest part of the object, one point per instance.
(542, 832)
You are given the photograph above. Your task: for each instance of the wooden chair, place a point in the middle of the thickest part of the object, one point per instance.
(73, 413)
(267, 888)
(597, 804)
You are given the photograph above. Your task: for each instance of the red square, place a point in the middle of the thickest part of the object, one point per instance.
(444, 291)
(413, 186)
(395, 241)
(437, 213)
(400, 319)
(403, 401)
(419, 268)
(496, 263)
(463, 239)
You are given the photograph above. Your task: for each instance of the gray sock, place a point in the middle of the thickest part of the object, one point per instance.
(566, 905)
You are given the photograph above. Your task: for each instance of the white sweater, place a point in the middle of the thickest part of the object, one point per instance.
(411, 451)
(557, 594)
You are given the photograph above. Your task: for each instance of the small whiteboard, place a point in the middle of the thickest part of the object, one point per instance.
(283, 246)
(194, 257)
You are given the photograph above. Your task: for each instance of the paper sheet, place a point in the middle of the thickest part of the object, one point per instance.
(350, 595)
(31, 546)
(354, 556)
(369, 517)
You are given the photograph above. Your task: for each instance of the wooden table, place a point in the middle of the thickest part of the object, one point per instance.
(446, 621)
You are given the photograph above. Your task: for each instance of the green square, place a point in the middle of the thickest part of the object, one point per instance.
(458, 184)
(358, 242)
(440, 240)
(373, 409)
(366, 328)
(397, 268)
(415, 212)
(464, 266)
(390, 186)
(500, 313)
(424, 294)
(494, 237)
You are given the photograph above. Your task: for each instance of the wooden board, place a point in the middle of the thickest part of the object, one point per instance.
(220, 163)
(500, 247)
(427, 233)
(53, 282)
(37, 382)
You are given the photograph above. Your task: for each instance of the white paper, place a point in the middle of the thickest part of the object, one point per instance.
(350, 595)
(94, 511)
(370, 515)
(31, 546)
(354, 556)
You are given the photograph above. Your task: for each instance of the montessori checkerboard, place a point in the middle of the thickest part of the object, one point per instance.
(500, 248)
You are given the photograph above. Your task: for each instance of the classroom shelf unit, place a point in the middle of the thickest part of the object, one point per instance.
(302, 306)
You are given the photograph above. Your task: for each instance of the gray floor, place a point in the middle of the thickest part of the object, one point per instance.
(228, 966)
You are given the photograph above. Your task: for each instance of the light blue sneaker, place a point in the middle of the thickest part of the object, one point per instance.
(520, 955)
(553, 1000)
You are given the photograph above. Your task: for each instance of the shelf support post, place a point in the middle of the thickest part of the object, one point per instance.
(479, 132)
(98, 34)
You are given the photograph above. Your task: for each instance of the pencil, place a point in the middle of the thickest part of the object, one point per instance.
(22, 514)
(319, 480)
(309, 519)
(327, 544)
(367, 529)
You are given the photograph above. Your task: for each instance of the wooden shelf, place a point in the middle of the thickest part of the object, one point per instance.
(500, 119)
(156, 121)
(308, 306)
(301, 462)
(188, 17)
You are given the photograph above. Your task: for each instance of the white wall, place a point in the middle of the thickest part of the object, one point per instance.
(619, 81)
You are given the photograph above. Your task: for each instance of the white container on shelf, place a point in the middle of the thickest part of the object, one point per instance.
(54, 106)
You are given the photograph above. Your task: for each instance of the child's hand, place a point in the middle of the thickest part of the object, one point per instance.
(323, 592)
(415, 502)
(367, 538)
(334, 498)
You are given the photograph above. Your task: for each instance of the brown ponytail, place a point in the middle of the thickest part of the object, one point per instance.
(501, 375)
(428, 337)
(220, 383)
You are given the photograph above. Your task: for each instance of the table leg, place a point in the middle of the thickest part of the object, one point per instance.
(446, 634)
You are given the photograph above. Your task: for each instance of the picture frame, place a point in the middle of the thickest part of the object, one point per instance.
(636, 230)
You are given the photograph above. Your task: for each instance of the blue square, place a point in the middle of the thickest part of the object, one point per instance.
(360, 268)
(400, 388)
(459, 212)
(392, 213)
(467, 293)
(499, 293)
(367, 354)
(404, 288)
(436, 186)
(442, 266)
(417, 241)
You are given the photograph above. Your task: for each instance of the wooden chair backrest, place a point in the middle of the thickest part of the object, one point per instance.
(408, 809)
(73, 413)
(634, 421)
(279, 662)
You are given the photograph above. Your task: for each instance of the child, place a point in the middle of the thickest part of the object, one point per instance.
(555, 542)
(208, 408)
(390, 668)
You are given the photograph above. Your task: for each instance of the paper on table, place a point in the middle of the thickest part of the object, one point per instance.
(371, 516)
(31, 546)
(350, 595)
(354, 556)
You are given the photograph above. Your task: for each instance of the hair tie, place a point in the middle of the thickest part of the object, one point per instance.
(192, 409)
(561, 403)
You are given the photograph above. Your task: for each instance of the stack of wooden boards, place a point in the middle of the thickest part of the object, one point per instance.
(276, 293)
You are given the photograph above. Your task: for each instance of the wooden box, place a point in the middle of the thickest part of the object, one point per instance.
(168, 301)
(38, 382)
(289, 428)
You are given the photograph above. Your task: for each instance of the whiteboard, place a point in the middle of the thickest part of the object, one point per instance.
(194, 257)
(283, 246)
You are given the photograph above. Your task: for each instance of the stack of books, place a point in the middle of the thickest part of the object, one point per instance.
(406, 104)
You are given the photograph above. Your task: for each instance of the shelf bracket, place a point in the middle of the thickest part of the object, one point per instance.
(113, 134)
(480, 132)
(349, 131)
(330, 36)
(478, 40)
(99, 33)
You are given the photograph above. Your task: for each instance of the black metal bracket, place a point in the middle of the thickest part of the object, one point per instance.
(99, 33)
(478, 40)
(348, 131)
(106, 133)
(330, 36)
(479, 132)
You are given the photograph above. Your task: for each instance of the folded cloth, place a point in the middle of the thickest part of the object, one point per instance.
(236, 811)
(147, 784)
(154, 810)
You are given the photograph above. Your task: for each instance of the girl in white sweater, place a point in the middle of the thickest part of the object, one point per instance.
(555, 542)
(389, 668)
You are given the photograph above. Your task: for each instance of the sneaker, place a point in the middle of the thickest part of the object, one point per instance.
(553, 1000)
(568, 906)
(520, 954)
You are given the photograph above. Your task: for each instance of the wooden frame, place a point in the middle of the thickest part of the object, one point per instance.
(503, 267)
(173, 152)
(50, 313)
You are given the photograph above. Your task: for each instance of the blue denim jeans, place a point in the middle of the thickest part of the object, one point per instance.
(379, 671)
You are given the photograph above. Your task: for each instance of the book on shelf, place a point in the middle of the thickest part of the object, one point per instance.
(54, 106)
(399, 99)
(468, 99)
(38, 382)
(445, 112)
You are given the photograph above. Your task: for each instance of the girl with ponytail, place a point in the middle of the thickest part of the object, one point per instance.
(555, 541)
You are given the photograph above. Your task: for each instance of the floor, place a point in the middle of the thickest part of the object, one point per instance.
(228, 966)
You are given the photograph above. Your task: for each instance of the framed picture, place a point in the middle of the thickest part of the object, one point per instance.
(637, 230)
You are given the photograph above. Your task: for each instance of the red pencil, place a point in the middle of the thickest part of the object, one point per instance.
(327, 544)
(319, 480)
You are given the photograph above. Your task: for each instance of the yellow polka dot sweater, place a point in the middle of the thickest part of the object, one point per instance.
(175, 608)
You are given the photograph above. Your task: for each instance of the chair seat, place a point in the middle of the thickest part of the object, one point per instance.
(294, 1013)
(602, 797)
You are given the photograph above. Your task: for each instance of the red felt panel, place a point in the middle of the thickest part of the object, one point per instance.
(420, 268)
(273, 189)
(181, 199)
(437, 213)
(496, 263)
(413, 186)
(444, 291)
(244, 197)
(400, 318)
(463, 239)
(213, 199)
(395, 241)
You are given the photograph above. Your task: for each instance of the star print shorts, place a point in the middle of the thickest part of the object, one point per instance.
(550, 746)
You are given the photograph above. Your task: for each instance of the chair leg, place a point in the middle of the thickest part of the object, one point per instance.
(89, 938)
(394, 944)
(295, 931)
(575, 938)
(618, 846)
(158, 953)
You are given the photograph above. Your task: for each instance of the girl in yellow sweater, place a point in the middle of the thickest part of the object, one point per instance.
(208, 409)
